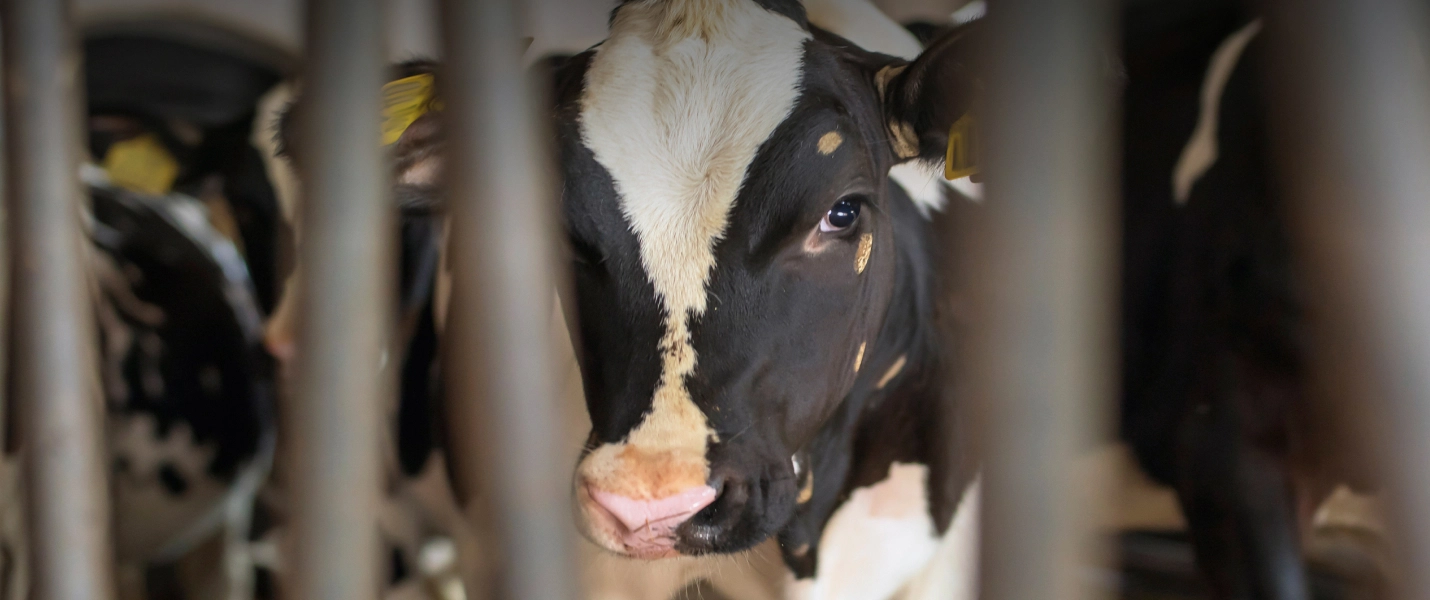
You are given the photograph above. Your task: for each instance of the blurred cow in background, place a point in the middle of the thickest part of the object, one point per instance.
(180, 217)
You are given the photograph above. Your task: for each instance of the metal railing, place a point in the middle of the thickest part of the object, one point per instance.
(1042, 360)
(499, 369)
(55, 379)
(346, 312)
(1042, 366)
(1353, 121)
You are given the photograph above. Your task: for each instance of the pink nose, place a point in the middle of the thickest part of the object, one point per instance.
(647, 527)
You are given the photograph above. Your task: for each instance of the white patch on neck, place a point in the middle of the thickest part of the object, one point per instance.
(677, 103)
(882, 540)
(1201, 150)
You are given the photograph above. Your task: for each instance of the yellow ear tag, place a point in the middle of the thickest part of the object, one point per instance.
(141, 164)
(404, 101)
(962, 157)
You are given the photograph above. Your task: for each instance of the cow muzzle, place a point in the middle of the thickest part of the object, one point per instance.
(633, 502)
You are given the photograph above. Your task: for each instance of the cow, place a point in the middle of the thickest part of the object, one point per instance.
(188, 387)
(183, 237)
(757, 307)
(187, 392)
(199, 104)
(1214, 337)
(766, 324)
(1214, 399)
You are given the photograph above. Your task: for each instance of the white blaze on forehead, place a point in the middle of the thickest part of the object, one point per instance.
(677, 103)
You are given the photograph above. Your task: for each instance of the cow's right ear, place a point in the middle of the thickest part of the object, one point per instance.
(923, 100)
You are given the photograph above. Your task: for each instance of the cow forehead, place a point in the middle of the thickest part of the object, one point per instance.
(676, 104)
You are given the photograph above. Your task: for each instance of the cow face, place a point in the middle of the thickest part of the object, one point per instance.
(731, 228)
(726, 198)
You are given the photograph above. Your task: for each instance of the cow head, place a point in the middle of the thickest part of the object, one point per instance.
(728, 208)
(733, 239)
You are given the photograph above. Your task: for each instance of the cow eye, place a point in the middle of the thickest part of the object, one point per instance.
(841, 216)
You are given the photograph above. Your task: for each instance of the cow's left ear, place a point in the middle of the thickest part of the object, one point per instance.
(924, 99)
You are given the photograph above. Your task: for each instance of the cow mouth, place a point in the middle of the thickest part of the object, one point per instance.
(647, 539)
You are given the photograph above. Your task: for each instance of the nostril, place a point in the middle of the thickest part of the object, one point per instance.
(736, 494)
(728, 505)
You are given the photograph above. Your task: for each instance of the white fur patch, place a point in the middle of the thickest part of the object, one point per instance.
(879, 541)
(1201, 150)
(952, 574)
(923, 183)
(677, 103)
(970, 12)
(154, 516)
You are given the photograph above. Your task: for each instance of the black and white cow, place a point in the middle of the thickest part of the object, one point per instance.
(187, 393)
(1213, 334)
(1214, 399)
(757, 302)
(762, 326)
(186, 238)
(760, 239)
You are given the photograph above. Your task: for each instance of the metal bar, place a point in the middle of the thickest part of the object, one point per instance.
(7, 405)
(56, 379)
(1353, 117)
(502, 388)
(346, 312)
(1043, 351)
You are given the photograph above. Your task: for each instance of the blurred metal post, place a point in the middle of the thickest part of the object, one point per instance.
(1044, 347)
(7, 405)
(346, 313)
(56, 378)
(1353, 122)
(502, 380)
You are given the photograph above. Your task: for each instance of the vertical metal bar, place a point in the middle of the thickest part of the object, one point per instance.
(1353, 116)
(56, 383)
(1044, 350)
(7, 405)
(502, 382)
(346, 312)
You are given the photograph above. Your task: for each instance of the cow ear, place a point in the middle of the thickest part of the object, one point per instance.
(924, 100)
(412, 128)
